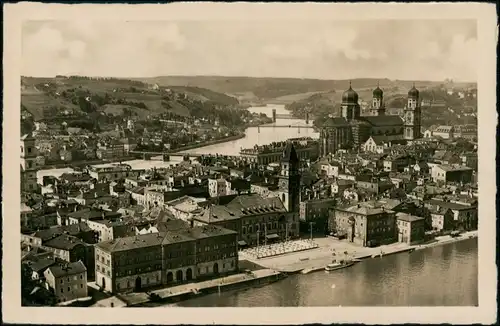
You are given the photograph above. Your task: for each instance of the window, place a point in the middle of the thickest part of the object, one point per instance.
(81, 277)
(29, 149)
(69, 289)
(81, 286)
(62, 290)
(61, 281)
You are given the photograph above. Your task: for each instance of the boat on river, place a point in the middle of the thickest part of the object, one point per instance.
(340, 263)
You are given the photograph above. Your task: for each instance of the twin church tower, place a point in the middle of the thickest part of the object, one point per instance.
(351, 129)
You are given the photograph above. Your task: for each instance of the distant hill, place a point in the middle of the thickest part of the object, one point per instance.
(51, 97)
(282, 90)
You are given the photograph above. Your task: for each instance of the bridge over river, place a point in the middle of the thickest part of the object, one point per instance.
(165, 156)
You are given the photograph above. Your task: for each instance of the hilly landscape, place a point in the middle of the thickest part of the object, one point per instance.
(47, 98)
(285, 90)
(201, 96)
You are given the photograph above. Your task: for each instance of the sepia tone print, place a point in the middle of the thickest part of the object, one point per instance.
(297, 185)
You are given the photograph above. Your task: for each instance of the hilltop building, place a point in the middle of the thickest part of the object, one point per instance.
(351, 129)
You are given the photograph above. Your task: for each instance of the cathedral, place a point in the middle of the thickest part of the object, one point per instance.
(351, 129)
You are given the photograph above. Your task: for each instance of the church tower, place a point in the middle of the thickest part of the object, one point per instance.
(378, 106)
(289, 189)
(412, 115)
(28, 164)
(350, 106)
(289, 179)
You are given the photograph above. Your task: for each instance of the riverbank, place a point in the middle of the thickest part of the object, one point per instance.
(83, 163)
(316, 259)
(208, 143)
(187, 291)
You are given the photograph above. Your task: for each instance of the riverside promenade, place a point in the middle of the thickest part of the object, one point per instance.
(184, 291)
(318, 258)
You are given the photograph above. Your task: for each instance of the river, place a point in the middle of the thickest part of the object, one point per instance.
(253, 136)
(444, 275)
(261, 136)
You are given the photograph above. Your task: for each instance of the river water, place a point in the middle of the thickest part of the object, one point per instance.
(444, 275)
(262, 136)
(253, 136)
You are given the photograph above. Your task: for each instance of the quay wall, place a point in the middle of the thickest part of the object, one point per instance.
(180, 293)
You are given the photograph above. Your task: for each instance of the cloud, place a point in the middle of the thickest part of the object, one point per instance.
(343, 49)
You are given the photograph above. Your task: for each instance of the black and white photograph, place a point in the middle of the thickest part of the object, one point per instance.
(197, 161)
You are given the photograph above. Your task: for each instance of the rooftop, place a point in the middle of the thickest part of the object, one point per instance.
(452, 168)
(447, 204)
(163, 238)
(408, 218)
(66, 269)
(64, 242)
(364, 209)
(72, 229)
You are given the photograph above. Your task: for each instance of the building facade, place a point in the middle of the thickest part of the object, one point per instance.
(68, 281)
(29, 164)
(351, 130)
(165, 258)
(365, 226)
(410, 228)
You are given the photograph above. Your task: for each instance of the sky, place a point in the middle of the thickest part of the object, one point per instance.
(394, 49)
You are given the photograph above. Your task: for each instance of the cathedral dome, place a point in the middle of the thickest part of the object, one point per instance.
(350, 96)
(377, 92)
(413, 92)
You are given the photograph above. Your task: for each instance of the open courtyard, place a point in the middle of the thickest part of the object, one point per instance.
(320, 255)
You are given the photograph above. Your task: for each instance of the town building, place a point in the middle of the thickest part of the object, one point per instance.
(374, 185)
(165, 258)
(410, 228)
(442, 218)
(314, 214)
(113, 173)
(256, 219)
(443, 174)
(67, 280)
(110, 150)
(465, 216)
(375, 144)
(365, 225)
(352, 130)
(445, 132)
(186, 207)
(219, 187)
(397, 163)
